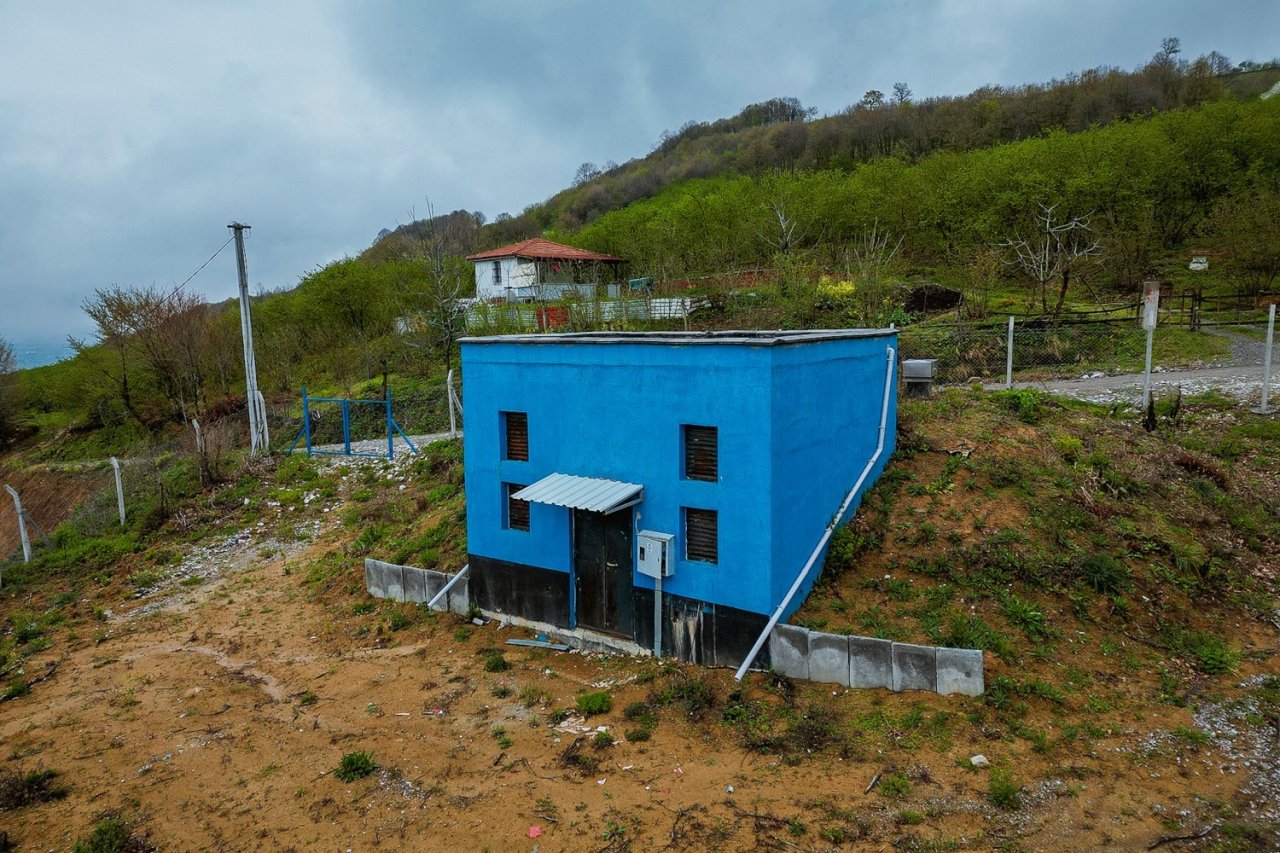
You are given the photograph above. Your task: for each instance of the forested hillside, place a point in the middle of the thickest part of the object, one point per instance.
(1140, 167)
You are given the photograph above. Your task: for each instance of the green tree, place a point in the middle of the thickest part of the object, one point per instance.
(1246, 226)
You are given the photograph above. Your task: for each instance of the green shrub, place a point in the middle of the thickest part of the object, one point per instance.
(895, 786)
(112, 834)
(24, 789)
(1003, 791)
(595, 702)
(355, 765)
(495, 662)
(1105, 574)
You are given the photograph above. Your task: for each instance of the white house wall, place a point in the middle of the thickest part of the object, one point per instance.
(517, 279)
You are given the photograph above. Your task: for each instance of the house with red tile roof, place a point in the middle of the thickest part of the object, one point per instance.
(538, 269)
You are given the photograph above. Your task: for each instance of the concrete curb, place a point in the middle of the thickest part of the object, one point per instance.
(414, 585)
(867, 662)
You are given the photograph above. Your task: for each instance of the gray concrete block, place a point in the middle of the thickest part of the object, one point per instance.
(380, 578)
(459, 598)
(870, 663)
(960, 671)
(789, 651)
(829, 658)
(388, 579)
(415, 585)
(914, 667)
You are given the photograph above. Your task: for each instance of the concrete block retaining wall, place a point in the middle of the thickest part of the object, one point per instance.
(867, 662)
(408, 583)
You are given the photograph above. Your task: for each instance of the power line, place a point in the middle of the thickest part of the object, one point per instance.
(174, 292)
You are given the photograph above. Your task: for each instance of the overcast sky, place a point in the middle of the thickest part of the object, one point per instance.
(132, 133)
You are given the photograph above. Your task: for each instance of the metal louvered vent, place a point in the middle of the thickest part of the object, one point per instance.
(701, 453)
(701, 535)
(517, 510)
(517, 430)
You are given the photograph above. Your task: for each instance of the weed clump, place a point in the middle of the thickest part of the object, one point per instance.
(113, 834)
(25, 789)
(495, 662)
(1105, 574)
(1003, 791)
(354, 766)
(692, 693)
(595, 702)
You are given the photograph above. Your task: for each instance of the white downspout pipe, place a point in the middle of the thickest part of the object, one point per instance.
(826, 534)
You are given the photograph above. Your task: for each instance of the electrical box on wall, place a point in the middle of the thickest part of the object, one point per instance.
(653, 554)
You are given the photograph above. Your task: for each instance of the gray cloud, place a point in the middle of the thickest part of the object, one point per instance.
(131, 133)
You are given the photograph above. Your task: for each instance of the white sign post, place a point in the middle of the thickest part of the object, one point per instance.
(1150, 314)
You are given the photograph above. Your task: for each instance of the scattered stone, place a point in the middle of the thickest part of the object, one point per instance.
(979, 761)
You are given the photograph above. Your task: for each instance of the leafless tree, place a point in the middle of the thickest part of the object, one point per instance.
(1056, 250)
(874, 251)
(444, 281)
(166, 337)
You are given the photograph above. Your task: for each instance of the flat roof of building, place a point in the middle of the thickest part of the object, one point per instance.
(768, 338)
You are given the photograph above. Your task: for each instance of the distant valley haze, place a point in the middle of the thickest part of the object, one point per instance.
(131, 133)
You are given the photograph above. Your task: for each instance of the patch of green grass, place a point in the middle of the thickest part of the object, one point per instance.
(112, 834)
(355, 766)
(1003, 790)
(495, 662)
(895, 786)
(595, 702)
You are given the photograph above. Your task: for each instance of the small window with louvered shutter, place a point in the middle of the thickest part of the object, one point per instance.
(701, 453)
(517, 511)
(701, 535)
(515, 428)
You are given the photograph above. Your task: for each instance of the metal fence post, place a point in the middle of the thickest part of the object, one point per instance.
(306, 418)
(1008, 357)
(1264, 409)
(22, 523)
(391, 448)
(115, 465)
(346, 426)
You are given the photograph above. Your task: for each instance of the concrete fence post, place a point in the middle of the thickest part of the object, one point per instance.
(1264, 408)
(453, 420)
(1008, 357)
(115, 466)
(22, 523)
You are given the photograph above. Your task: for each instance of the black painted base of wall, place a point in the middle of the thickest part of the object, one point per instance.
(708, 634)
(695, 631)
(538, 594)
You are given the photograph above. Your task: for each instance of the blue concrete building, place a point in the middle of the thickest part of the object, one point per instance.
(587, 456)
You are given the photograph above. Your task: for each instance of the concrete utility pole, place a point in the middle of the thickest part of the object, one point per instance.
(22, 523)
(258, 438)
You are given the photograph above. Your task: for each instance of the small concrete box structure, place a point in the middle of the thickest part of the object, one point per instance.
(738, 446)
(919, 374)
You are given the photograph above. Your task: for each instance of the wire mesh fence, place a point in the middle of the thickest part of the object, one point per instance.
(1044, 350)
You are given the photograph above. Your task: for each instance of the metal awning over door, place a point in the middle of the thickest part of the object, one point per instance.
(593, 494)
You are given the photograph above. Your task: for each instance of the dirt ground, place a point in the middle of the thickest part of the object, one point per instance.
(213, 715)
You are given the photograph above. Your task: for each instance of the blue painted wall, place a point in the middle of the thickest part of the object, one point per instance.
(797, 423)
(826, 404)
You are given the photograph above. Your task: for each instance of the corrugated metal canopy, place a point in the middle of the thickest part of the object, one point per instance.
(589, 493)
